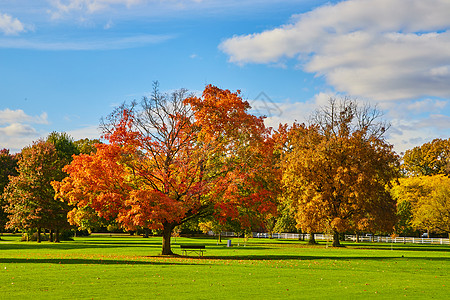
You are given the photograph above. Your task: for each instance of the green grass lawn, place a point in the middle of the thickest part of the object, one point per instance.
(126, 267)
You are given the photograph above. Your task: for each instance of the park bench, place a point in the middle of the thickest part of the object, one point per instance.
(198, 249)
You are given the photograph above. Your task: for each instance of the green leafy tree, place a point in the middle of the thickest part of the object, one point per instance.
(87, 146)
(404, 218)
(65, 147)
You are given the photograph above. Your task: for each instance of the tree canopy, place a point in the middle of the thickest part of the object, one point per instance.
(431, 158)
(30, 195)
(8, 165)
(174, 158)
(428, 199)
(337, 170)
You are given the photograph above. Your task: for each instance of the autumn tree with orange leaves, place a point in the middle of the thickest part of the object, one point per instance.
(338, 169)
(176, 158)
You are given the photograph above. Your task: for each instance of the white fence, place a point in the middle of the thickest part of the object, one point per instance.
(317, 236)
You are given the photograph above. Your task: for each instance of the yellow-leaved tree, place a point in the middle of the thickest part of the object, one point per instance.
(337, 171)
(431, 158)
(429, 200)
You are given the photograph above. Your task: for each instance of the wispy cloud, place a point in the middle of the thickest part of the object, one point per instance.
(380, 49)
(9, 116)
(427, 105)
(62, 8)
(89, 131)
(87, 9)
(10, 25)
(83, 44)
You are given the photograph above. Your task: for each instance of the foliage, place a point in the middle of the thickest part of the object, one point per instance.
(8, 164)
(174, 159)
(429, 159)
(87, 146)
(86, 218)
(429, 199)
(30, 195)
(285, 222)
(65, 147)
(337, 171)
(404, 218)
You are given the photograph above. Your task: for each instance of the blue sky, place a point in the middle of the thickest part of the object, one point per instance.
(64, 64)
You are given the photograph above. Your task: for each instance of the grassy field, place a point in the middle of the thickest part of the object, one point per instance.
(126, 267)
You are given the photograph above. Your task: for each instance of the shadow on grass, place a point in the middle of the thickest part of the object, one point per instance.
(76, 245)
(401, 247)
(82, 261)
(325, 257)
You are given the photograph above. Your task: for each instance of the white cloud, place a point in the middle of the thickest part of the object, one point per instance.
(378, 49)
(8, 116)
(93, 44)
(10, 25)
(405, 132)
(18, 129)
(15, 143)
(408, 133)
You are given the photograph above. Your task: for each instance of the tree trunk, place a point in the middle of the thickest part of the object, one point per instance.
(167, 233)
(357, 237)
(336, 242)
(145, 235)
(220, 237)
(301, 236)
(51, 235)
(57, 235)
(312, 239)
(38, 238)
